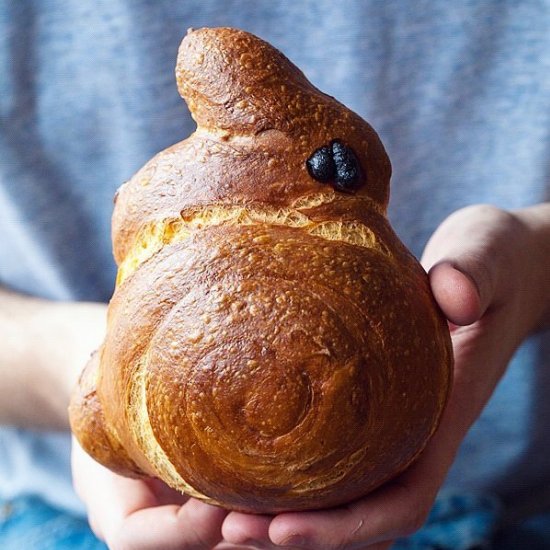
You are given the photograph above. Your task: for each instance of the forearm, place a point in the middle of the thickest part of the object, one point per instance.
(45, 345)
(537, 220)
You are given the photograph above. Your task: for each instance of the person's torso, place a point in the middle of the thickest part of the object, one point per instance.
(459, 93)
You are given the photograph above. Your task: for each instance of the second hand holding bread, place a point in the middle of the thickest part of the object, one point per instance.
(271, 344)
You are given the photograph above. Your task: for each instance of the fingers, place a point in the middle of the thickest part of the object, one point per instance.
(250, 529)
(389, 513)
(195, 525)
(457, 294)
(395, 510)
(129, 514)
(475, 260)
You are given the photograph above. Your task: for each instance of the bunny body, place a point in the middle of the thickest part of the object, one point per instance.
(271, 344)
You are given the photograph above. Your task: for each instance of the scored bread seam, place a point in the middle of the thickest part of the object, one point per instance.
(157, 234)
(144, 436)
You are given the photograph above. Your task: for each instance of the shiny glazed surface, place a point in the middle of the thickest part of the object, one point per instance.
(271, 344)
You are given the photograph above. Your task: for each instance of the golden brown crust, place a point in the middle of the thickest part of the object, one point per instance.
(258, 120)
(88, 422)
(271, 344)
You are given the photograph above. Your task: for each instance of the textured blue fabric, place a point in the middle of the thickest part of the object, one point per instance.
(532, 533)
(29, 523)
(469, 521)
(457, 521)
(459, 92)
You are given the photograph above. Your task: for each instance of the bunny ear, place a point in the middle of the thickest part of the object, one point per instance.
(237, 85)
(233, 80)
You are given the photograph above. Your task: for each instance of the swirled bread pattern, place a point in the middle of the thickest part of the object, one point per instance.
(271, 344)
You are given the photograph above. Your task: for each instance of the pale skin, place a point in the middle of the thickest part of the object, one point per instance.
(490, 273)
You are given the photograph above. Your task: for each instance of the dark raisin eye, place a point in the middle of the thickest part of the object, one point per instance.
(336, 163)
(320, 165)
(348, 169)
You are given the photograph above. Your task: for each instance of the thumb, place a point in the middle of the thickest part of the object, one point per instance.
(463, 292)
(469, 260)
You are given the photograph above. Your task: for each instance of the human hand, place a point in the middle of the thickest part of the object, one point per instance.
(487, 272)
(134, 514)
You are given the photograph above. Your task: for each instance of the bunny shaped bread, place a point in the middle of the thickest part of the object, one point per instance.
(271, 344)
